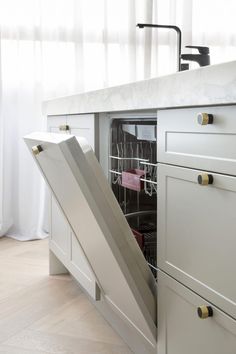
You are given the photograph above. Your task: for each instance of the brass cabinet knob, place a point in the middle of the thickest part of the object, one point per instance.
(37, 149)
(205, 118)
(204, 179)
(64, 127)
(204, 311)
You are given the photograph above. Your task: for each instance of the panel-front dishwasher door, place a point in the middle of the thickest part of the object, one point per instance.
(76, 179)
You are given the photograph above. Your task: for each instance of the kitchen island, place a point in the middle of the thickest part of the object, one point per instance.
(196, 197)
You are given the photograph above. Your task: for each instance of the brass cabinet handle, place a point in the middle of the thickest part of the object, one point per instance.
(37, 149)
(205, 118)
(204, 311)
(64, 127)
(204, 179)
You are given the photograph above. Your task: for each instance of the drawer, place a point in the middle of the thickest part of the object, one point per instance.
(83, 125)
(57, 124)
(182, 331)
(197, 233)
(83, 121)
(184, 142)
(77, 124)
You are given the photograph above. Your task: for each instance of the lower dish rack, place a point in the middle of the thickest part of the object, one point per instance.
(145, 234)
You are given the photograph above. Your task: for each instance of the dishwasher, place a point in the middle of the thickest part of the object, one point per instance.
(133, 178)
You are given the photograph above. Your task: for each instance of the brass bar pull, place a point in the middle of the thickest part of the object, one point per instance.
(205, 118)
(37, 149)
(64, 127)
(204, 179)
(204, 311)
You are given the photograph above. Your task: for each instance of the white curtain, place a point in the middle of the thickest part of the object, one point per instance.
(52, 48)
(208, 23)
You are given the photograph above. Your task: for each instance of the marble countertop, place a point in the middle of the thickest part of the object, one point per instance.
(212, 85)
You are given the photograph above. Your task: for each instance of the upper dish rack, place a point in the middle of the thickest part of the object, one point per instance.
(134, 166)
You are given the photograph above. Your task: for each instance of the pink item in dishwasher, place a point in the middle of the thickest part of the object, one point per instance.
(139, 238)
(132, 179)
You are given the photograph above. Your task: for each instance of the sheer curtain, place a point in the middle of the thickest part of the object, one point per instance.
(52, 48)
(203, 22)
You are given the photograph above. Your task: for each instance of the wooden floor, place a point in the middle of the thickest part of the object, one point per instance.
(45, 314)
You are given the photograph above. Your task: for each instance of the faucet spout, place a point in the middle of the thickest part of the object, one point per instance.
(202, 57)
(179, 37)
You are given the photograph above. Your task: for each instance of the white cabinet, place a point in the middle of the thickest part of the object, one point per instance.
(61, 237)
(196, 232)
(183, 141)
(57, 124)
(182, 331)
(83, 125)
(196, 229)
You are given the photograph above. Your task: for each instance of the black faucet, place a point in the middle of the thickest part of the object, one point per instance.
(179, 37)
(203, 58)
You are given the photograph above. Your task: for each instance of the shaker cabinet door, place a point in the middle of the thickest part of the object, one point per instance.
(182, 331)
(197, 232)
(199, 137)
(77, 181)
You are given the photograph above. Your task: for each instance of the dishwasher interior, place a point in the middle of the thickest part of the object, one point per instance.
(133, 178)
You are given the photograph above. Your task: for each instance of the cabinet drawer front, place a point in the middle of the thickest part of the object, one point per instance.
(83, 125)
(181, 331)
(197, 232)
(57, 124)
(185, 142)
(85, 121)
(78, 124)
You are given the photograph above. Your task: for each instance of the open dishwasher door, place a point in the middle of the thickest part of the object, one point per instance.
(76, 179)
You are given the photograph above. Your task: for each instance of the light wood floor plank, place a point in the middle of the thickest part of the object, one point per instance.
(59, 344)
(9, 349)
(47, 314)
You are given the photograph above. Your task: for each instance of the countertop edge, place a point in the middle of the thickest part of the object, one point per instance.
(212, 85)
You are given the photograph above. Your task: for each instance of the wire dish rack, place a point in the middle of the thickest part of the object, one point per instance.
(133, 178)
(143, 226)
(134, 166)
